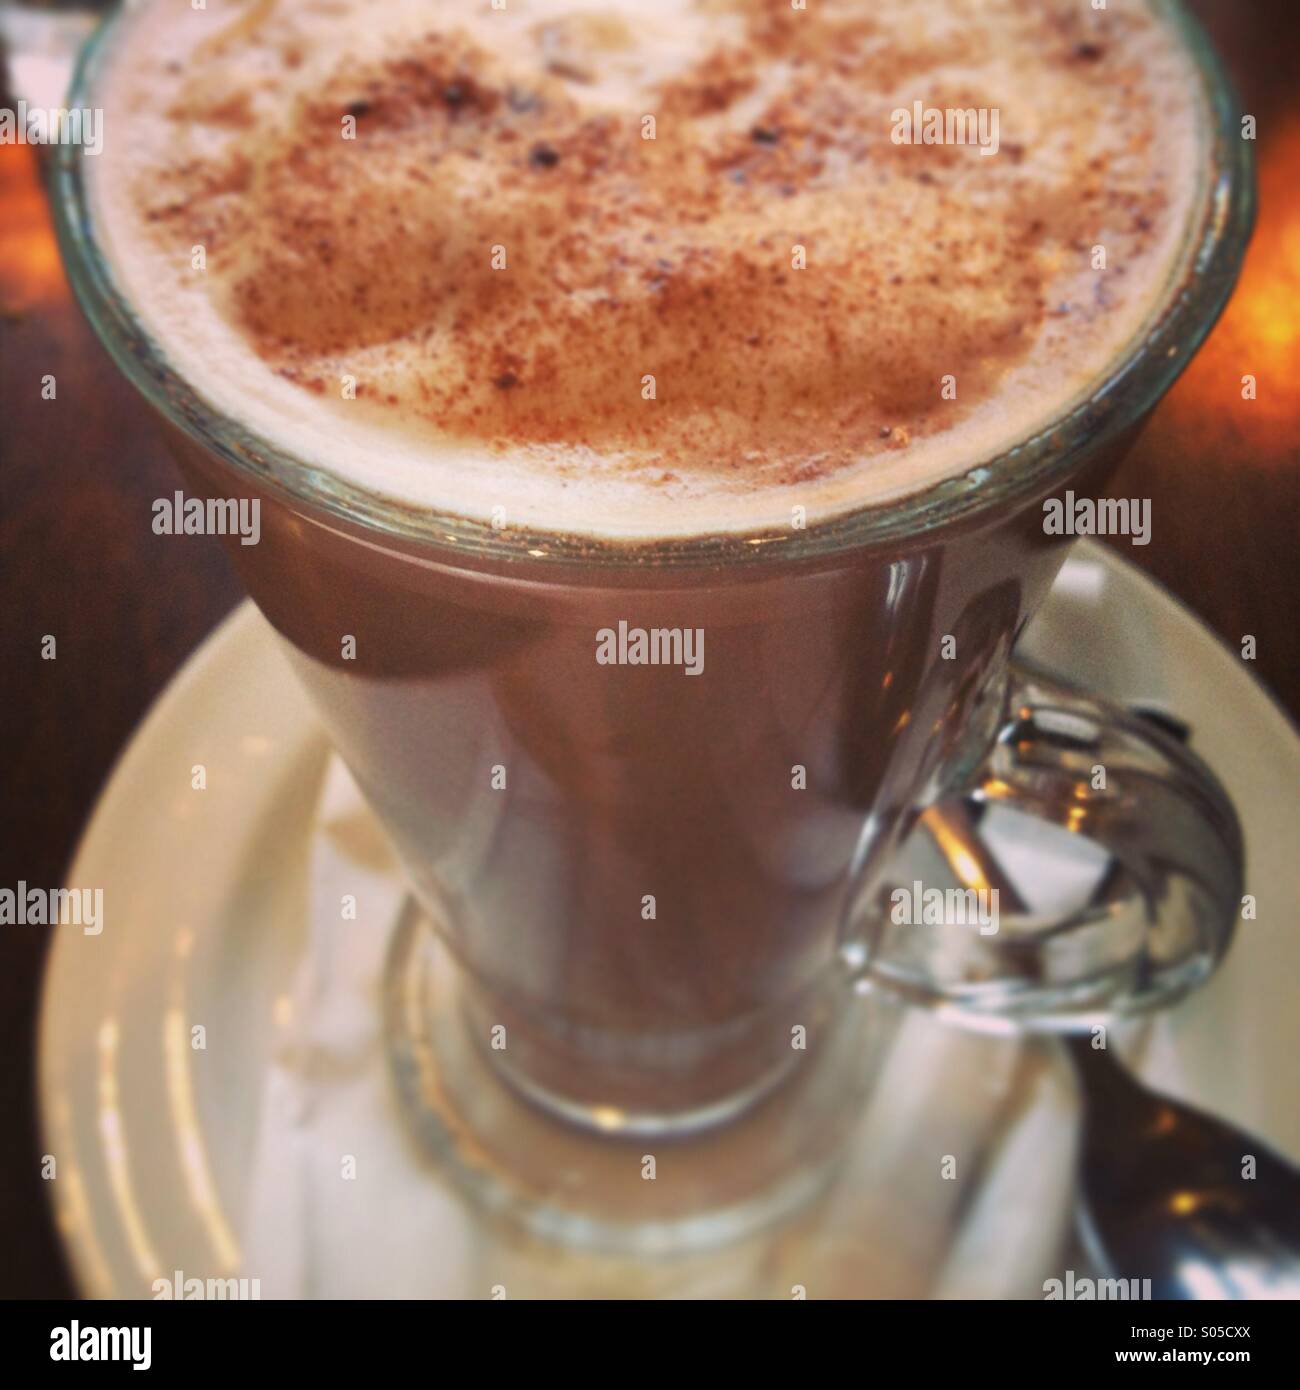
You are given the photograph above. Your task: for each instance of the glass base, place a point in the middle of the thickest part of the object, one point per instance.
(640, 1124)
(603, 1180)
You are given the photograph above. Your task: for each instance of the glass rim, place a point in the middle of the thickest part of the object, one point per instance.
(1206, 270)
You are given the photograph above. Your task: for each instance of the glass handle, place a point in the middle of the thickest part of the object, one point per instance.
(1091, 866)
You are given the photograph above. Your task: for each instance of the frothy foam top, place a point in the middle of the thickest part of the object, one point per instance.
(457, 209)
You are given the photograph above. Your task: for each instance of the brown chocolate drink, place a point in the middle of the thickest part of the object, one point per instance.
(626, 781)
(595, 382)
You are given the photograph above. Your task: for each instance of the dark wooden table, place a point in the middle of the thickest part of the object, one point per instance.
(81, 563)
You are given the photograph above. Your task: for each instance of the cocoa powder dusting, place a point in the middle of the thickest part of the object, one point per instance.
(508, 257)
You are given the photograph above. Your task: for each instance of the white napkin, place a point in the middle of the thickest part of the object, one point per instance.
(382, 1226)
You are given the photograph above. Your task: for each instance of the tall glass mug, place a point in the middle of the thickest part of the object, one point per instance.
(651, 878)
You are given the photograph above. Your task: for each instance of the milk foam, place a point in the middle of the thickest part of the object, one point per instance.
(548, 317)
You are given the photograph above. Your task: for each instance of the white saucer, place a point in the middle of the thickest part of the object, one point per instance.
(206, 899)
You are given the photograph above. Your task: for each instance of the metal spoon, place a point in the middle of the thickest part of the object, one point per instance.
(1170, 1195)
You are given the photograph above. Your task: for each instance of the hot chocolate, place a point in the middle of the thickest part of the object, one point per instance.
(433, 252)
